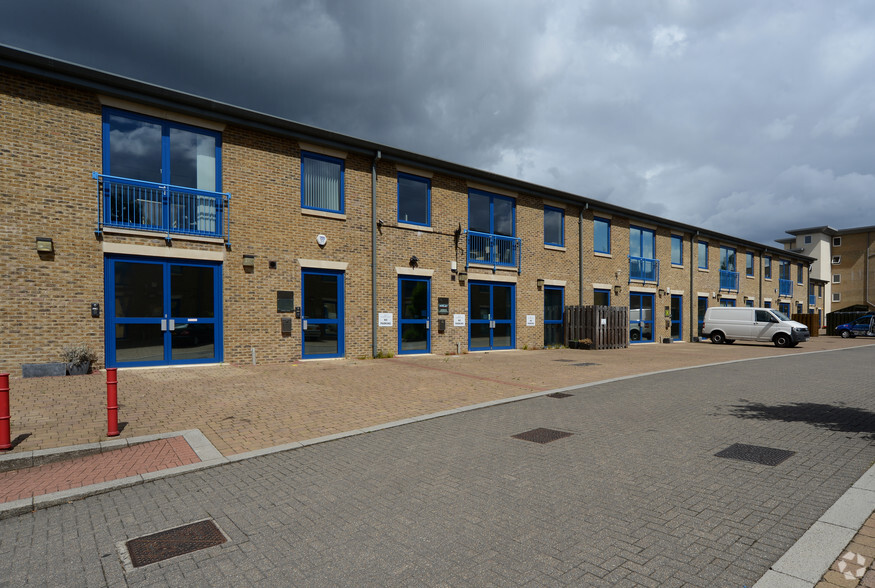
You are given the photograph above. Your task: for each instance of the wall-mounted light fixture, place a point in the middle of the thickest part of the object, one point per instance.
(414, 261)
(661, 292)
(540, 283)
(617, 290)
(463, 277)
(45, 245)
(249, 262)
(713, 294)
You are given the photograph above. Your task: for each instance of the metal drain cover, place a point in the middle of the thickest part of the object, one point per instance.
(173, 542)
(559, 395)
(584, 364)
(568, 360)
(541, 435)
(756, 454)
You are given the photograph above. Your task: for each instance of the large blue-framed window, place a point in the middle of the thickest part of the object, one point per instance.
(160, 175)
(491, 308)
(554, 226)
(322, 182)
(414, 199)
(162, 311)
(601, 235)
(322, 310)
(767, 268)
(554, 308)
(703, 254)
(800, 272)
(728, 271)
(492, 229)
(677, 250)
(748, 264)
(643, 264)
(414, 315)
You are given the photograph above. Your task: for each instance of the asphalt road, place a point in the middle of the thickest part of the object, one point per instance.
(634, 496)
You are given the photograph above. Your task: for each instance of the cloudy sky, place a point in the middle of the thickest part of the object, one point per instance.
(746, 117)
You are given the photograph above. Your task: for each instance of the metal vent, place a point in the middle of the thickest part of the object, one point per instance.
(173, 542)
(541, 435)
(756, 454)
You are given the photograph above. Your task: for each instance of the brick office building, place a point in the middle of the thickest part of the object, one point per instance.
(163, 228)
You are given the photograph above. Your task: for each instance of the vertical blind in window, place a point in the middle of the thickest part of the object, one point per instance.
(322, 181)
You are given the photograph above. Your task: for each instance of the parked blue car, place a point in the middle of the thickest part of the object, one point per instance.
(854, 328)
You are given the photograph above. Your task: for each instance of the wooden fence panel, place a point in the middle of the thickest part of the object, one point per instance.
(606, 326)
(810, 321)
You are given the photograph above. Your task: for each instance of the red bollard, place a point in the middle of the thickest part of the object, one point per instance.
(5, 441)
(111, 402)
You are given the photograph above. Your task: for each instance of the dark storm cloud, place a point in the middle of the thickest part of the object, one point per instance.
(748, 118)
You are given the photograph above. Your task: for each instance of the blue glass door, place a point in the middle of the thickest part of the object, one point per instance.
(414, 315)
(162, 312)
(554, 308)
(322, 314)
(677, 306)
(491, 311)
(640, 317)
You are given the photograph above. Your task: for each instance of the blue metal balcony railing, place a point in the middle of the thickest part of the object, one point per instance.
(135, 204)
(785, 287)
(644, 269)
(495, 250)
(812, 299)
(728, 280)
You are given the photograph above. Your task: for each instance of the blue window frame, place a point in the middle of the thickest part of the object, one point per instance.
(414, 199)
(601, 235)
(727, 302)
(702, 307)
(601, 297)
(703, 255)
(322, 182)
(767, 304)
(748, 264)
(641, 317)
(677, 311)
(677, 250)
(554, 309)
(491, 229)
(767, 268)
(799, 274)
(162, 311)
(414, 315)
(748, 303)
(322, 308)
(643, 264)
(554, 226)
(491, 308)
(160, 175)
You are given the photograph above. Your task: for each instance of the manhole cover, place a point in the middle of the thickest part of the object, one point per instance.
(756, 454)
(584, 364)
(568, 360)
(173, 542)
(541, 435)
(559, 395)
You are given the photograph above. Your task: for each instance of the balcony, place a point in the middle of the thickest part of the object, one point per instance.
(135, 204)
(728, 280)
(785, 288)
(643, 269)
(494, 250)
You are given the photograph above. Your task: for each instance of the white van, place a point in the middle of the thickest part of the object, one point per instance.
(728, 324)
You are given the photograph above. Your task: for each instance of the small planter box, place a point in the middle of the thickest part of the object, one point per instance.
(78, 369)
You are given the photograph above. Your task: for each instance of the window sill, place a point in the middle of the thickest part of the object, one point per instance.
(412, 227)
(554, 247)
(677, 266)
(704, 270)
(600, 254)
(750, 277)
(323, 214)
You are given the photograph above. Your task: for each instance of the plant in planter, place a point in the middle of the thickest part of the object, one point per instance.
(584, 344)
(79, 359)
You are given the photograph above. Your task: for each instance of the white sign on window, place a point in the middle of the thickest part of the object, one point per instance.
(458, 320)
(530, 320)
(385, 319)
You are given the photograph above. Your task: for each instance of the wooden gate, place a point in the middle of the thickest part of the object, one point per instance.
(606, 326)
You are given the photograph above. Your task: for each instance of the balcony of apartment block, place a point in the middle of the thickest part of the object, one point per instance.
(498, 251)
(643, 269)
(785, 288)
(729, 280)
(124, 203)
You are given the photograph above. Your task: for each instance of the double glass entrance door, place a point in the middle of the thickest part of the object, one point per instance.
(641, 317)
(161, 312)
(491, 312)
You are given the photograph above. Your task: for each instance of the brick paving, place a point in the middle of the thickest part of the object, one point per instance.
(856, 565)
(142, 458)
(635, 496)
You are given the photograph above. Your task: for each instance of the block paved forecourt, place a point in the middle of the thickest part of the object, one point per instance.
(635, 496)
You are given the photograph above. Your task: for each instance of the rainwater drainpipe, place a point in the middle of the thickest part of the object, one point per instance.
(374, 254)
(694, 296)
(869, 256)
(580, 256)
